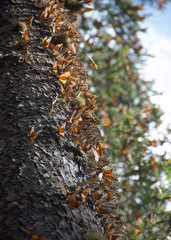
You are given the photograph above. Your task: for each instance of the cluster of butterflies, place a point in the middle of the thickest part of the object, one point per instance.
(99, 191)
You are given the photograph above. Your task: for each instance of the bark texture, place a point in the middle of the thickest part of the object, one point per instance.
(31, 198)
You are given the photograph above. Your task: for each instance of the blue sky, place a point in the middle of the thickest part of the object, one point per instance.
(157, 41)
(161, 19)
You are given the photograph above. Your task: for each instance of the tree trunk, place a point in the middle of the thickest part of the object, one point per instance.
(33, 168)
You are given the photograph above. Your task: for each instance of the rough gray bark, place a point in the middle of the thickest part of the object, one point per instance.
(30, 171)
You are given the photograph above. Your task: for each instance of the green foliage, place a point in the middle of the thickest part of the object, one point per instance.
(128, 116)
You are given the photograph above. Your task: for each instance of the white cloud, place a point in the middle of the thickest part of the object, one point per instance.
(159, 67)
